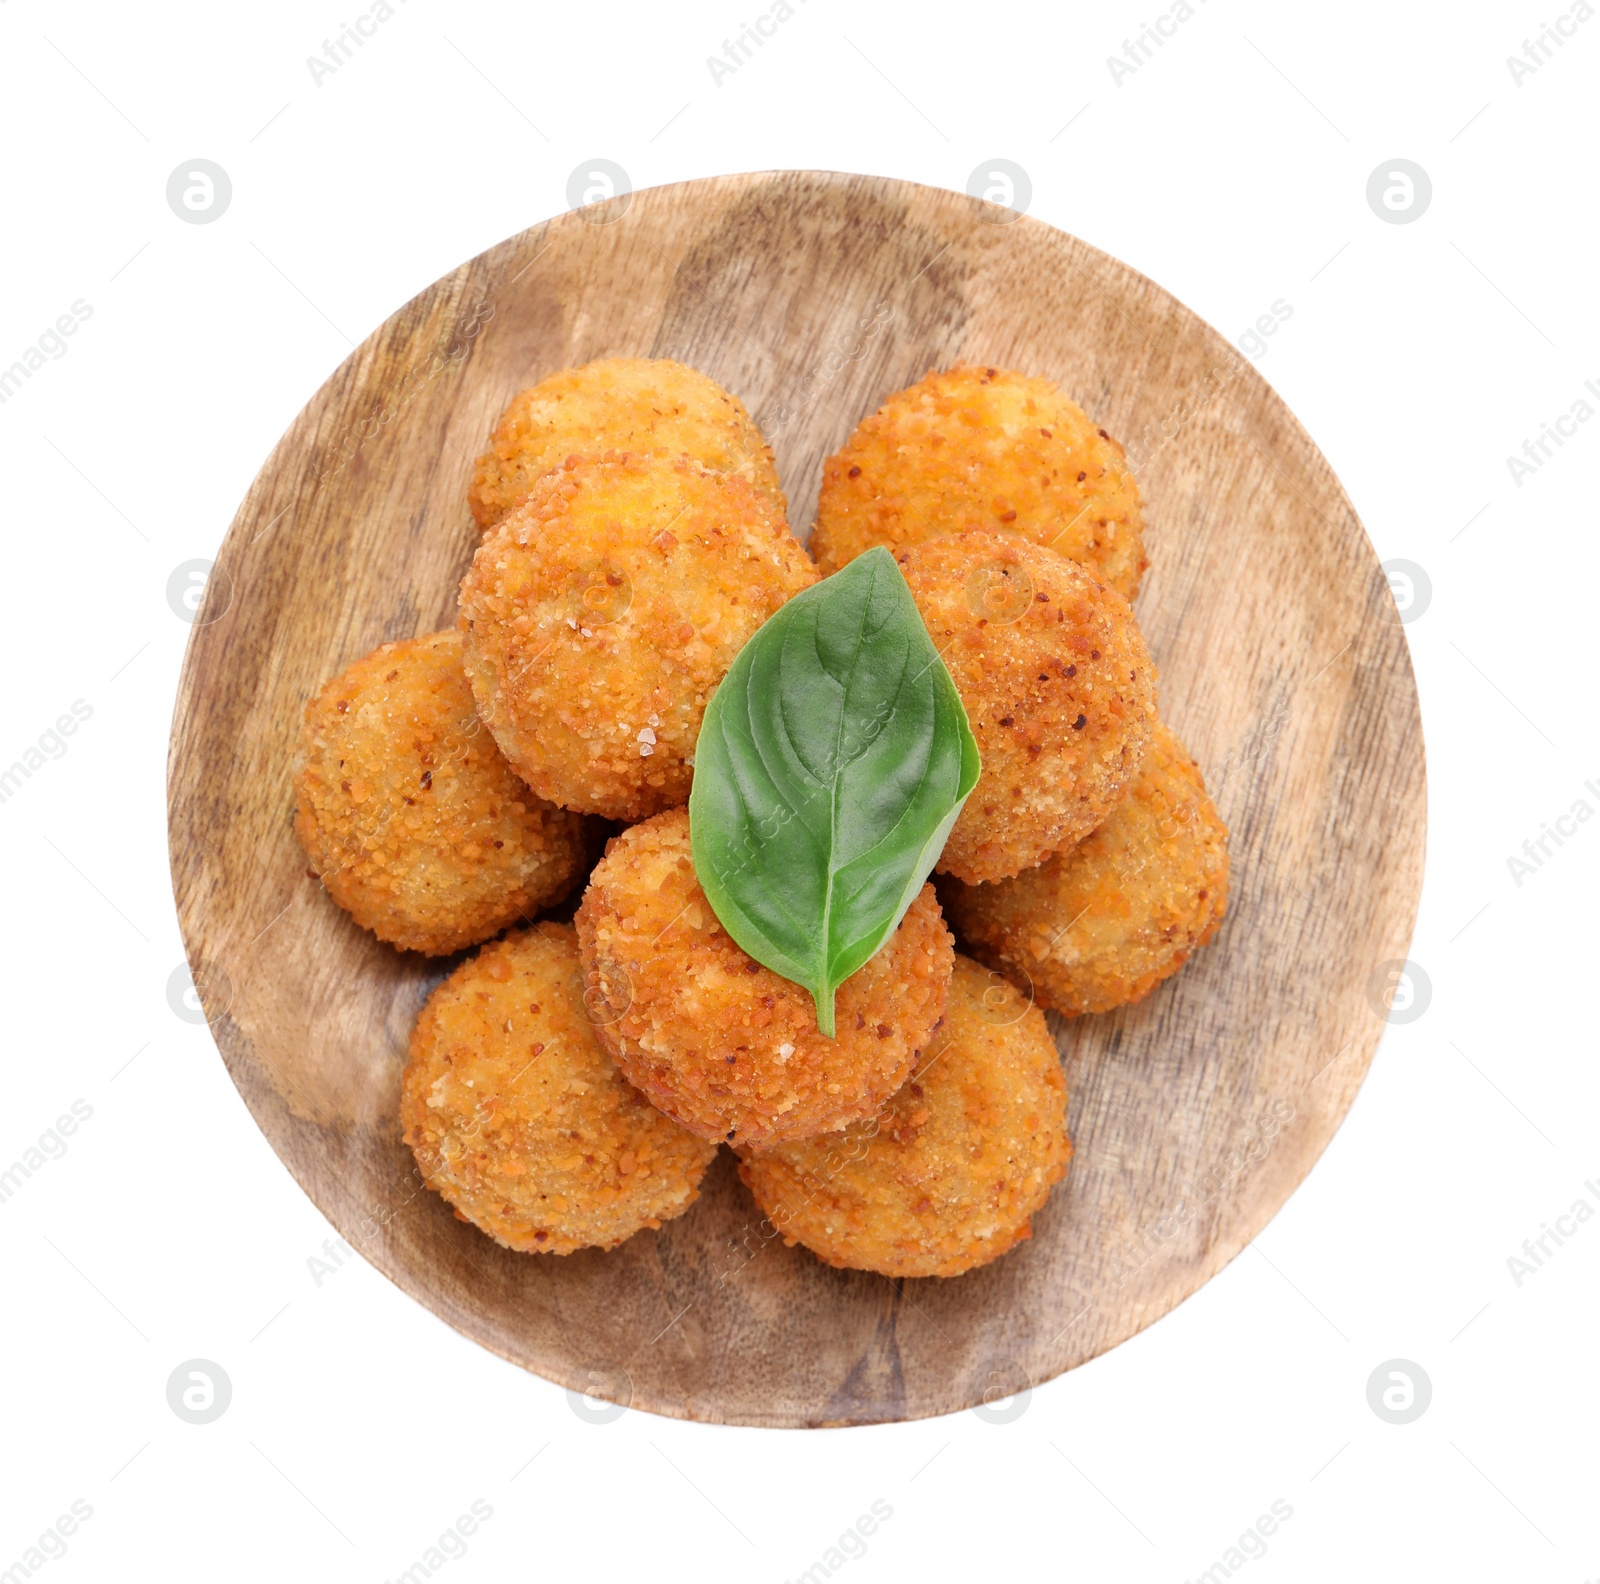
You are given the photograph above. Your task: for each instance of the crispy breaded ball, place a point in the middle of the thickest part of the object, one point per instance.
(983, 448)
(1058, 686)
(949, 1175)
(619, 404)
(522, 1122)
(602, 613)
(1104, 923)
(409, 813)
(724, 1046)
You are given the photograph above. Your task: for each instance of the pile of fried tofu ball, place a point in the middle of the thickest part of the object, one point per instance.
(570, 1083)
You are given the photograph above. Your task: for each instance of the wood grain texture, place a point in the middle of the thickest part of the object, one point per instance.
(1283, 668)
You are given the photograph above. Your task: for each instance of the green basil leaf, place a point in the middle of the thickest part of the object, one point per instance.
(832, 762)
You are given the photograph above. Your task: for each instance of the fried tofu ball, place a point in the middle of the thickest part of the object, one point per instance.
(1058, 686)
(983, 448)
(602, 613)
(409, 813)
(619, 404)
(949, 1175)
(1103, 924)
(723, 1045)
(521, 1121)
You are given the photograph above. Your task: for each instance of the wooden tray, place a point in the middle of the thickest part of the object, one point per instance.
(1283, 667)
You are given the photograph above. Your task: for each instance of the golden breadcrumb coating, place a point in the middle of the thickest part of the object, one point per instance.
(1102, 924)
(949, 1175)
(724, 1046)
(1058, 686)
(602, 613)
(410, 814)
(983, 448)
(522, 1122)
(619, 404)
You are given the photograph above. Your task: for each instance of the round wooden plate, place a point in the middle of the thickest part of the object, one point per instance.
(1283, 667)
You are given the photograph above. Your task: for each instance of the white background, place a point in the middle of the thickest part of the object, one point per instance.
(1232, 168)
